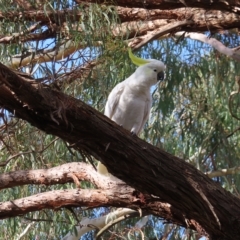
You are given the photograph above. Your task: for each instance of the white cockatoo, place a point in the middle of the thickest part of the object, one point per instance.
(130, 101)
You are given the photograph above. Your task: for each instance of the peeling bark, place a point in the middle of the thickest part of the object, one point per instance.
(203, 204)
(137, 26)
(202, 20)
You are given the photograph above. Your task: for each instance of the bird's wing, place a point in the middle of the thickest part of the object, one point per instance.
(147, 108)
(113, 100)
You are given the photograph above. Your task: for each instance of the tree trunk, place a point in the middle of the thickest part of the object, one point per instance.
(204, 204)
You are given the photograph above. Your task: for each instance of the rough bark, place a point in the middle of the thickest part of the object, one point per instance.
(203, 19)
(110, 192)
(137, 33)
(64, 198)
(169, 4)
(138, 25)
(57, 175)
(204, 205)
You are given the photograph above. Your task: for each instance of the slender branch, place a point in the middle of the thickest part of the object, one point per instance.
(24, 4)
(4, 163)
(230, 52)
(108, 220)
(234, 131)
(117, 219)
(26, 37)
(158, 33)
(15, 36)
(57, 53)
(223, 172)
(25, 230)
(81, 72)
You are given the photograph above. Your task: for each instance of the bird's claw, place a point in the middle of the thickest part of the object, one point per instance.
(133, 133)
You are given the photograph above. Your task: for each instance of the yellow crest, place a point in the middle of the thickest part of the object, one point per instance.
(136, 60)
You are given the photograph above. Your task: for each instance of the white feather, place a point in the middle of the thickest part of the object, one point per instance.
(130, 101)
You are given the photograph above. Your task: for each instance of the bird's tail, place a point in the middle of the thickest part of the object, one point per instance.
(102, 169)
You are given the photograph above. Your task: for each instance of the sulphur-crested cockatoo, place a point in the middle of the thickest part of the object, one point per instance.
(130, 101)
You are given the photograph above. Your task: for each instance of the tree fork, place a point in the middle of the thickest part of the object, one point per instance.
(203, 203)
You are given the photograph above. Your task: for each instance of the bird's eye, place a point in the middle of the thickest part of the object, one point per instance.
(154, 70)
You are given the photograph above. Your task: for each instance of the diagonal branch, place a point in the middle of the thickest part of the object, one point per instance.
(223, 172)
(116, 196)
(59, 52)
(25, 36)
(26, 230)
(230, 52)
(141, 165)
(141, 41)
(89, 224)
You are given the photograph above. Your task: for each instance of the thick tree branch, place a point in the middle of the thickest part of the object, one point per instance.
(62, 198)
(148, 30)
(57, 175)
(82, 171)
(116, 195)
(42, 15)
(202, 202)
(63, 174)
(202, 20)
(166, 4)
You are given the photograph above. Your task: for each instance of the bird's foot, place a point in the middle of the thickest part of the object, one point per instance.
(133, 133)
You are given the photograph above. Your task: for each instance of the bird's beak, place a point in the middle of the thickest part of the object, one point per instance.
(160, 76)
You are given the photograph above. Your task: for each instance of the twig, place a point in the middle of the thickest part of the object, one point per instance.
(160, 32)
(231, 97)
(223, 172)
